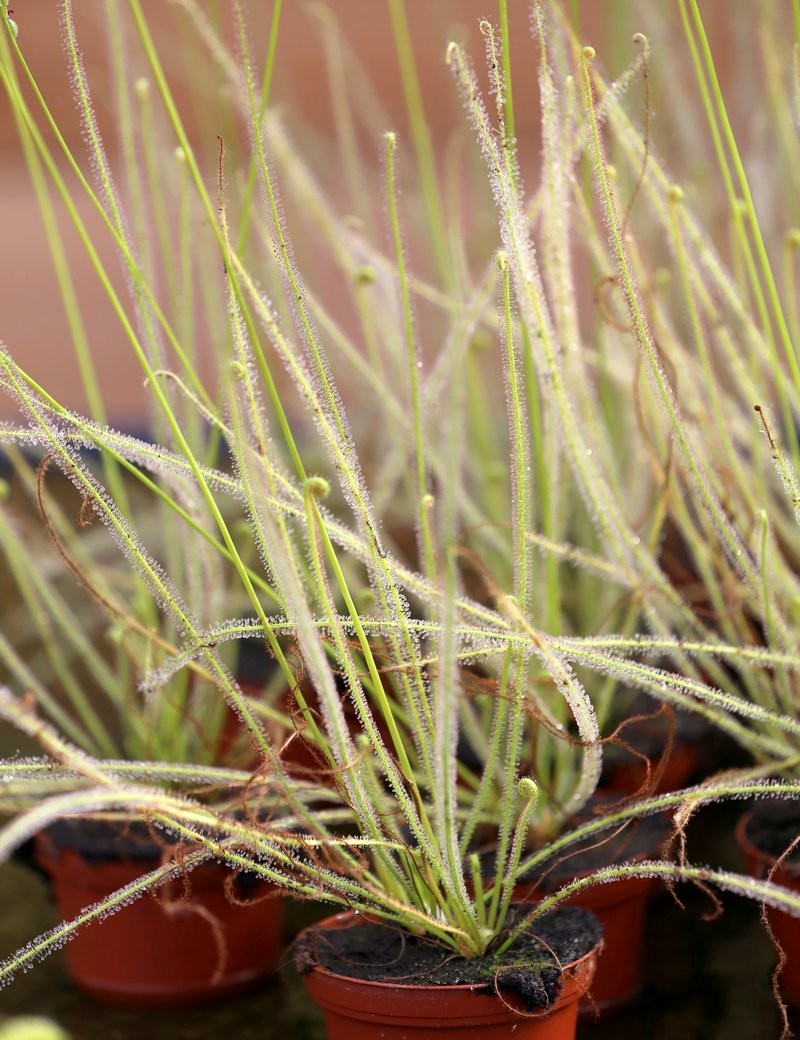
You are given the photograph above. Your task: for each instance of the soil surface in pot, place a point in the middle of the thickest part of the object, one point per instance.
(772, 827)
(99, 841)
(132, 841)
(136, 842)
(530, 969)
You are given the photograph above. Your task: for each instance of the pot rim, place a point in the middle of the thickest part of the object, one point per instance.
(789, 868)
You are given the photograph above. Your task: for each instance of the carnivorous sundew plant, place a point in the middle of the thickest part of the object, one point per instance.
(444, 688)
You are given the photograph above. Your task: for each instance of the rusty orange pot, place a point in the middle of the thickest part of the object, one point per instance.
(185, 942)
(357, 1009)
(620, 906)
(785, 927)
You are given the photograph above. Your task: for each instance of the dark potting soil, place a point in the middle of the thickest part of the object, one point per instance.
(530, 969)
(128, 841)
(772, 827)
(101, 841)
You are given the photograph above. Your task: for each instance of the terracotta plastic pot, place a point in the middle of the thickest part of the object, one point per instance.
(785, 927)
(620, 906)
(355, 1009)
(170, 947)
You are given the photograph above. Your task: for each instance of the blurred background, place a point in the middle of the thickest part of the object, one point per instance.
(347, 45)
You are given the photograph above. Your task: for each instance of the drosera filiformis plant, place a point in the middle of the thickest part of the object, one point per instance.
(383, 642)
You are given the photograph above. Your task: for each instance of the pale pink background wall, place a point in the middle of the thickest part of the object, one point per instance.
(31, 316)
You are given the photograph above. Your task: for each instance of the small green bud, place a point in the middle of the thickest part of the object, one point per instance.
(675, 193)
(589, 53)
(365, 275)
(180, 155)
(318, 487)
(142, 88)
